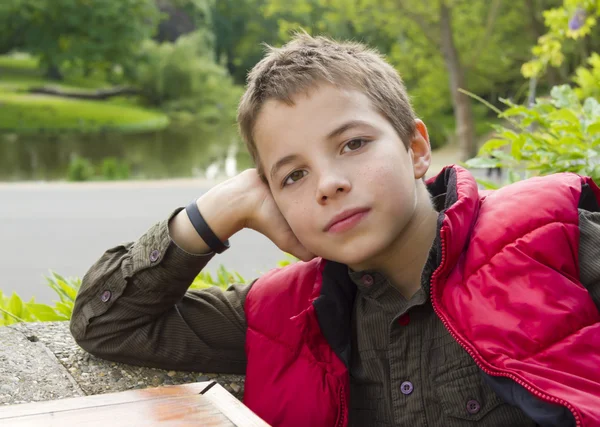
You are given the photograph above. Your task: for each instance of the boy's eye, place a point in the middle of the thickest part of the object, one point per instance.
(297, 175)
(353, 145)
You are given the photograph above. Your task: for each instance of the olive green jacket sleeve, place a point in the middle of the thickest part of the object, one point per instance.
(134, 307)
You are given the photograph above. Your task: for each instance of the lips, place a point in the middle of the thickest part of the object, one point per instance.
(346, 219)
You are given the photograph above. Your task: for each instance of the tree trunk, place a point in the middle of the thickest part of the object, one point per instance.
(53, 73)
(463, 114)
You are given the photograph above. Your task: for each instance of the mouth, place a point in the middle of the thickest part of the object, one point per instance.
(346, 220)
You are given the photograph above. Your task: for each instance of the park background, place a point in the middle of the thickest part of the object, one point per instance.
(109, 108)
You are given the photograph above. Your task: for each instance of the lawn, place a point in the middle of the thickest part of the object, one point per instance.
(22, 112)
(40, 113)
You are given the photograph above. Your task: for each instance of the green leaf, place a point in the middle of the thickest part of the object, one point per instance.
(591, 108)
(15, 305)
(66, 309)
(45, 313)
(594, 128)
(492, 144)
(513, 176)
(517, 146)
(488, 185)
(482, 162)
(565, 115)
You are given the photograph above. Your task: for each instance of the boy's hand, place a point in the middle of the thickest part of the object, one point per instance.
(240, 202)
(264, 216)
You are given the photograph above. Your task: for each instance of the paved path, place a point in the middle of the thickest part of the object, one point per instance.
(66, 227)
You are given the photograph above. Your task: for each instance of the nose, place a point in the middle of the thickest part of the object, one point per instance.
(332, 185)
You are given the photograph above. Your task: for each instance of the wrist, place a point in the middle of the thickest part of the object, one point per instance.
(219, 210)
(223, 212)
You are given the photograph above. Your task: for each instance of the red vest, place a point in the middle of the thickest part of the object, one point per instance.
(507, 290)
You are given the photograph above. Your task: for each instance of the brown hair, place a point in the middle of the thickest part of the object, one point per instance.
(306, 61)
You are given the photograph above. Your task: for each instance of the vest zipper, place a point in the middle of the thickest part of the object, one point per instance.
(341, 420)
(478, 361)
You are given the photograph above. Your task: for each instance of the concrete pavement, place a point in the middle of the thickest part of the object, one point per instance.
(66, 227)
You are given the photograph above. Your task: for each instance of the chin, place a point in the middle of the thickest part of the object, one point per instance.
(359, 255)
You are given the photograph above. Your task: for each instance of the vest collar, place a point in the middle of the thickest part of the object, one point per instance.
(461, 208)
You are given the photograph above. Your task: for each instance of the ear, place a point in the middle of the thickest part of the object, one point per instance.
(420, 149)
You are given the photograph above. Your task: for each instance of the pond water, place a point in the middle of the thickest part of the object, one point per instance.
(175, 152)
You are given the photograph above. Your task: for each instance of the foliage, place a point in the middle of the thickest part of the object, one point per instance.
(488, 36)
(182, 16)
(241, 29)
(223, 279)
(574, 20)
(183, 76)
(13, 309)
(26, 113)
(86, 33)
(557, 134)
(80, 169)
(114, 169)
(588, 79)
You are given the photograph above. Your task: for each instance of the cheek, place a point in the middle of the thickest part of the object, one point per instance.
(297, 215)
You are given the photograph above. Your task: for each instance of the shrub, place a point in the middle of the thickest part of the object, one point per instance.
(80, 169)
(183, 76)
(114, 169)
(557, 134)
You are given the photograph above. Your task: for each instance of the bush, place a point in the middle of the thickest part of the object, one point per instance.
(80, 169)
(557, 134)
(183, 77)
(588, 80)
(113, 169)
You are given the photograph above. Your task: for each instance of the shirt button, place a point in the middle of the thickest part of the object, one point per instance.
(406, 387)
(473, 407)
(154, 255)
(105, 297)
(404, 319)
(367, 280)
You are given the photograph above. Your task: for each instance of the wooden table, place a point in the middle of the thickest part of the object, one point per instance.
(196, 404)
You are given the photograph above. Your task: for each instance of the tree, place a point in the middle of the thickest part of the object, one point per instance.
(241, 28)
(569, 24)
(79, 33)
(183, 17)
(470, 45)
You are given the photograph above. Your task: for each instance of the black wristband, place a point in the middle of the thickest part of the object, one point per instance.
(204, 230)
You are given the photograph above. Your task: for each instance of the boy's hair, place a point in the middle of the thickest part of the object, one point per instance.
(306, 61)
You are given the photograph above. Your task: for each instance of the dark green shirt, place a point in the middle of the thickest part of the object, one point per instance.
(134, 307)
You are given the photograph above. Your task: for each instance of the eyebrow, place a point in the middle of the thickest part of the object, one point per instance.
(336, 132)
(346, 126)
(282, 162)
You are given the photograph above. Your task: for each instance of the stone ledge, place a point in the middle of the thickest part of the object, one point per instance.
(41, 361)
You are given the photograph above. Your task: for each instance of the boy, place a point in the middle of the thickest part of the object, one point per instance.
(419, 304)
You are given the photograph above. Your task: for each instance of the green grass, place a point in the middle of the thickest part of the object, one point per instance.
(19, 64)
(37, 113)
(22, 112)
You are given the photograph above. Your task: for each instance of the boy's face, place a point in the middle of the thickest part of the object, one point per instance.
(339, 173)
